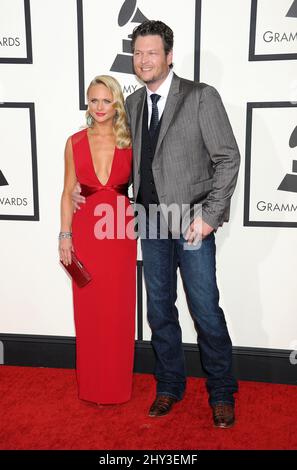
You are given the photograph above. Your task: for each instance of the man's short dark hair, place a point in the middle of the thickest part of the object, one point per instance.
(154, 28)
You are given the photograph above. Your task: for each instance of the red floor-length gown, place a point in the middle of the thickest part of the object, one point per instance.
(104, 309)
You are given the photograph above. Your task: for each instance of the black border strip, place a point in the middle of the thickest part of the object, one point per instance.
(91, 458)
(29, 58)
(31, 108)
(81, 57)
(80, 37)
(197, 49)
(252, 45)
(248, 157)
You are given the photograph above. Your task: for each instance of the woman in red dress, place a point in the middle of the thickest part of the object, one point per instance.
(102, 235)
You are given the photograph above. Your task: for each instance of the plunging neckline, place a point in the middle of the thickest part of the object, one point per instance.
(92, 161)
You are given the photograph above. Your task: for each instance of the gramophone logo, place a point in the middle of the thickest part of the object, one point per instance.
(3, 180)
(292, 13)
(129, 12)
(273, 33)
(289, 183)
(271, 195)
(15, 32)
(104, 42)
(18, 172)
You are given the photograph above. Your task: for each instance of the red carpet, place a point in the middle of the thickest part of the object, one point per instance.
(39, 409)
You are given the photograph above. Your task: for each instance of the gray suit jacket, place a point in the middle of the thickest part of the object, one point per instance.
(196, 158)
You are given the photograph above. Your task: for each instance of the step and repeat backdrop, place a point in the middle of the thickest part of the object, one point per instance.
(49, 52)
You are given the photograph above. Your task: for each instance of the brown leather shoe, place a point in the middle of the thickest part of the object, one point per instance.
(162, 406)
(223, 415)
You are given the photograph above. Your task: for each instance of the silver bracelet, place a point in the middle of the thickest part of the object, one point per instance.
(65, 235)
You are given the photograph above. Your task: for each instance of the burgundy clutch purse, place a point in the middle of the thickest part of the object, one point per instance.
(77, 271)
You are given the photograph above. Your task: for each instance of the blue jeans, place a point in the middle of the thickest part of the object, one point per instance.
(161, 258)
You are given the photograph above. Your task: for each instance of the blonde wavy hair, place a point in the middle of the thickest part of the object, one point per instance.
(120, 126)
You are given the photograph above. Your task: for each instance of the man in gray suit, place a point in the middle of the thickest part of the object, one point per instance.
(184, 152)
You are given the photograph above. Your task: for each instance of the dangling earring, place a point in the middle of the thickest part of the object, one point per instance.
(90, 120)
